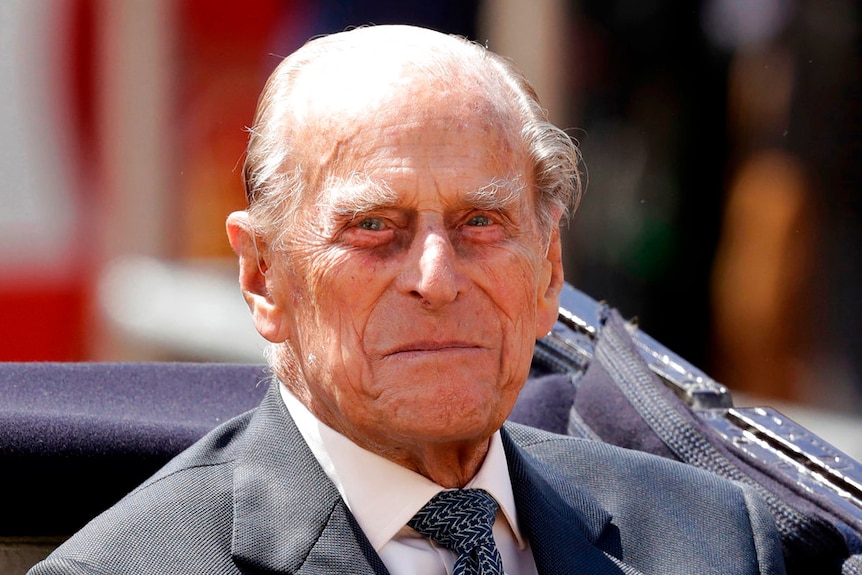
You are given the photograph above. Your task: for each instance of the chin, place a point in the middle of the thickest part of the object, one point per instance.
(453, 421)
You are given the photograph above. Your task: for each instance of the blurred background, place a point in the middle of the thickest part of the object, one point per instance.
(722, 144)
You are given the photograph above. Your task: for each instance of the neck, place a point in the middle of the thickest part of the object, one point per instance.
(450, 465)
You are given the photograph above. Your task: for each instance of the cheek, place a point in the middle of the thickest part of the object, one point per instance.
(331, 324)
(339, 293)
(511, 289)
(511, 281)
(327, 274)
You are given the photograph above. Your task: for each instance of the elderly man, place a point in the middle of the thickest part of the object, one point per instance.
(401, 252)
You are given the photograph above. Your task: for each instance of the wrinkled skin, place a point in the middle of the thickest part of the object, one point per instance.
(411, 304)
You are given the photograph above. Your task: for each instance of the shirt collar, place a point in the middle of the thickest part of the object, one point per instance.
(382, 495)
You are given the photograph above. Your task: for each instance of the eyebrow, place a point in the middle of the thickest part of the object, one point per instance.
(498, 195)
(359, 194)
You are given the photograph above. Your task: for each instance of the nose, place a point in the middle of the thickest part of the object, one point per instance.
(431, 272)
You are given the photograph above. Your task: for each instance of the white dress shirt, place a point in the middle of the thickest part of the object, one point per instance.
(383, 497)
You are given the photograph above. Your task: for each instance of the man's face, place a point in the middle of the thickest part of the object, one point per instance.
(411, 284)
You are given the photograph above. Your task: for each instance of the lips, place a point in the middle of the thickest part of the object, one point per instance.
(419, 348)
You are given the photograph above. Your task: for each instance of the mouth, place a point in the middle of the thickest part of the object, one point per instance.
(429, 348)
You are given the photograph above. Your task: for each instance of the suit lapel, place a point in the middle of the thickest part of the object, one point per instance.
(288, 517)
(564, 524)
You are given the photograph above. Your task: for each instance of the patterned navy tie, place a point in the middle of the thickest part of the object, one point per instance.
(461, 521)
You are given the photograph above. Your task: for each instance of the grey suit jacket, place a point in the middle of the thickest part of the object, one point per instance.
(250, 498)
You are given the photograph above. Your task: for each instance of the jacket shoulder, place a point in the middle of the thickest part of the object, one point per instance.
(178, 519)
(662, 510)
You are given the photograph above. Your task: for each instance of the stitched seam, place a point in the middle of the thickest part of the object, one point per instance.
(86, 566)
(689, 445)
(148, 484)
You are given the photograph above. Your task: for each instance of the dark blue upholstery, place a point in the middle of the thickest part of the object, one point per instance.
(545, 402)
(74, 438)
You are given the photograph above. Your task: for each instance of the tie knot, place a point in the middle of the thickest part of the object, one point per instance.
(459, 520)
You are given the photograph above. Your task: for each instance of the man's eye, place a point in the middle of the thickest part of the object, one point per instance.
(479, 221)
(372, 224)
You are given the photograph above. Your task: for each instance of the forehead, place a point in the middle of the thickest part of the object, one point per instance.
(418, 157)
(410, 130)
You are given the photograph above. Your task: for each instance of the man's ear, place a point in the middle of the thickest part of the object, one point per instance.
(550, 285)
(254, 263)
